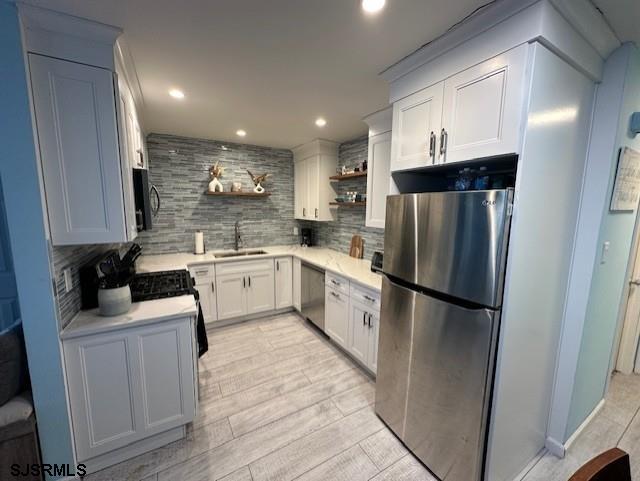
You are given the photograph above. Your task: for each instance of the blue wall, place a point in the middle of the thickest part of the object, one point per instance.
(20, 180)
(608, 282)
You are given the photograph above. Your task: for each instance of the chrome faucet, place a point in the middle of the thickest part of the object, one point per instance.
(238, 237)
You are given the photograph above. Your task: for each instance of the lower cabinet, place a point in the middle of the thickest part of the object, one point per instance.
(205, 284)
(352, 318)
(244, 288)
(336, 316)
(284, 282)
(297, 284)
(127, 385)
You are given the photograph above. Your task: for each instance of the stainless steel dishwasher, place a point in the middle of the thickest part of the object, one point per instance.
(312, 294)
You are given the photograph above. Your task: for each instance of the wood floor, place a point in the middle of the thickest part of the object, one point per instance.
(617, 424)
(278, 402)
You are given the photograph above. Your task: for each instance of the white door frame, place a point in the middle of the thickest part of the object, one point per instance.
(628, 328)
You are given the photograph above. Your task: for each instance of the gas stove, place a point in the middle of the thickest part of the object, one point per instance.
(160, 285)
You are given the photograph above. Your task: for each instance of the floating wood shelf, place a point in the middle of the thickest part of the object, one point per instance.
(238, 194)
(355, 175)
(348, 204)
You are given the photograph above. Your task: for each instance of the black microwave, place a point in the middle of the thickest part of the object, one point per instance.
(143, 192)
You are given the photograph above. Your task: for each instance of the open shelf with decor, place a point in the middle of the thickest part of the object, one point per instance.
(353, 175)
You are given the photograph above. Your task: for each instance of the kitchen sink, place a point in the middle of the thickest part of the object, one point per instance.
(238, 254)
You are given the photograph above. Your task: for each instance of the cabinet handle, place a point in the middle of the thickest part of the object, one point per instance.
(335, 282)
(277, 265)
(370, 299)
(432, 145)
(369, 321)
(364, 318)
(335, 295)
(249, 281)
(202, 273)
(444, 137)
(304, 212)
(244, 282)
(213, 287)
(316, 213)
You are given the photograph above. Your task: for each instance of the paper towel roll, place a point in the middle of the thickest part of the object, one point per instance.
(199, 243)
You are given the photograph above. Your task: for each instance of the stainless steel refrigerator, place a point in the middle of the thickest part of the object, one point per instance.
(444, 263)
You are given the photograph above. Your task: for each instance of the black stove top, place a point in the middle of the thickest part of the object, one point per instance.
(159, 285)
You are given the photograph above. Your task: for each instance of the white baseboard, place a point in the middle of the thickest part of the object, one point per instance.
(252, 317)
(530, 465)
(557, 448)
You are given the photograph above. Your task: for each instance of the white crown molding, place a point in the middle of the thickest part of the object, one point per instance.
(315, 147)
(380, 121)
(126, 67)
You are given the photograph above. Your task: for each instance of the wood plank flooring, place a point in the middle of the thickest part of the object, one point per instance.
(278, 402)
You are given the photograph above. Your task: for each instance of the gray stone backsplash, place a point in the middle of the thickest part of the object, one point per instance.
(179, 167)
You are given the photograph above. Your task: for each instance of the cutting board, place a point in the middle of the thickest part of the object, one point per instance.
(357, 247)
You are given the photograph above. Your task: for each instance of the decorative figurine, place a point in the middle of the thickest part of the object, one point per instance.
(215, 173)
(257, 181)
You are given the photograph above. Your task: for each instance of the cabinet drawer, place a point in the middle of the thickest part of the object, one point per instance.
(368, 297)
(337, 283)
(244, 266)
(200, 272)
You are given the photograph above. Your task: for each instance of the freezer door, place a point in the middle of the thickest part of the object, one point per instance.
(450, 242)
(435, 372)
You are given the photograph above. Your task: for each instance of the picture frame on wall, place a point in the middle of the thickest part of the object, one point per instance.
(626, 190)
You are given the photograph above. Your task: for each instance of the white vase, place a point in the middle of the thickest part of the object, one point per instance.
(215, 185)
(115, 301)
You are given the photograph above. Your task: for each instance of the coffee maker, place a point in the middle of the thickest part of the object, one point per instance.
(306, 237)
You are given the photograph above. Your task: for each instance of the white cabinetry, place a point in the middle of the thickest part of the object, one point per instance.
(471, 114)
(297, 284)
(378, 170)
(205, 284)
(130, 384)
(314, 163)
(416, 124)
(336, 316)
(284, 282)
(245, 287)
(75, 110)
(483, 106)
(364, 317)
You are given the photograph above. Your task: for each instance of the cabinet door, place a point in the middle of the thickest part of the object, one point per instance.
(127, 165)
(167, 384)
(207, 290)
(358, 336)
(313, 187)
(336, 316)
(372, 357)
(300, 189)
(284, 282)
(297, 284)
(260, 291)
(378, 176)
(75, 110)
(231, 295)
(483, 107)
(101, 389)
(416, 126)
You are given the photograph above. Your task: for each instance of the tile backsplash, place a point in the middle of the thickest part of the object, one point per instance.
(350, 220)
(179, 167)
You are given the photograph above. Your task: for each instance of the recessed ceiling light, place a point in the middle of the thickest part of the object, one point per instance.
(241, 133)
(176, 94)
(373, 6)
(320, 122)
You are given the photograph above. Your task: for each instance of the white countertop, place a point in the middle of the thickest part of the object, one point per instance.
(357, 270)
(141, 313)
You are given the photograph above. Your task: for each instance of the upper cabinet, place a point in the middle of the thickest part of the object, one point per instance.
(88, 130)
(314, 163)
(78, 139)
(472, 114)
(379, 164)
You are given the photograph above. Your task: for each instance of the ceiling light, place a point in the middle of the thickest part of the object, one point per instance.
(373, 6)
(241, 133)
(320, 122)
(176, 94)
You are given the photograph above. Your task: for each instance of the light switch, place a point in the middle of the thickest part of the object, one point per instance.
(68, 281)
(605, 252)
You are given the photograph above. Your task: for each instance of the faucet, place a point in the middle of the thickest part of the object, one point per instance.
(238, 237)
